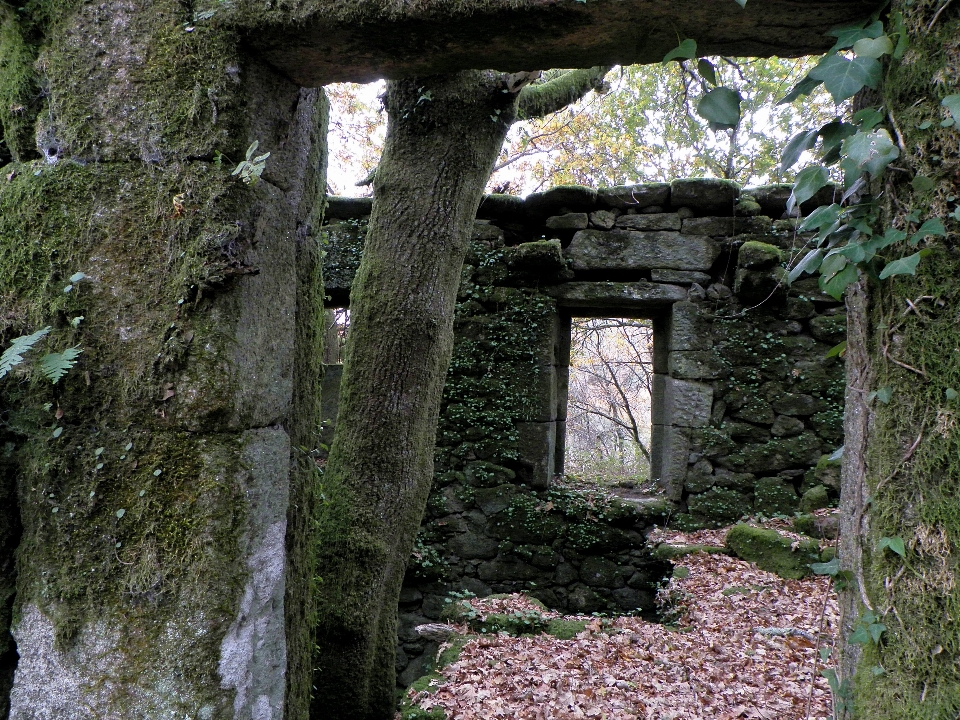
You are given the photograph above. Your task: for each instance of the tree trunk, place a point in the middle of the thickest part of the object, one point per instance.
(902, 465)
(443, 137)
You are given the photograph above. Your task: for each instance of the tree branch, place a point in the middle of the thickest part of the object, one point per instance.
(549, 97)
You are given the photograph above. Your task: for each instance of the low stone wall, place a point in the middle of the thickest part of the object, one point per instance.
(746, 404)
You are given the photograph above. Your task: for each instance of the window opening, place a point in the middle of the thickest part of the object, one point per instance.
(609, 401)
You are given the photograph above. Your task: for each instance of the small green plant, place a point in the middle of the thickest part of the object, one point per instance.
(250, 169)
(53, 365)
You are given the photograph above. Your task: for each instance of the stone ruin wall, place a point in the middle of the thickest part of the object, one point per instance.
(746, 405)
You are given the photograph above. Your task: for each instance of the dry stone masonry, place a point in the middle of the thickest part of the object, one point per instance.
(747, 405)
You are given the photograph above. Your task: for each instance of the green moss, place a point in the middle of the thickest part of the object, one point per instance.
(665, 551)
(772, 551)
(815, 498)
(19, 90)
(564, 629)
(717, 507)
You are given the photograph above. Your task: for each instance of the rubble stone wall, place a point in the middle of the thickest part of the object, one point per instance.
(746, 404)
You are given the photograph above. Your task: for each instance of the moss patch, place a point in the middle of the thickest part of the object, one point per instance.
(772, 551)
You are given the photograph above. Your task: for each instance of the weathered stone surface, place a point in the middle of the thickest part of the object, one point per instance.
(795, 404)
(603, 219)
(538, 443)
(640, 295)
(599, 572)
(681, 402)
(493, 500)
(561, 199)
(685, 277)
(759, 285)
(687, 329)
(694, 365)
(650, 221)
(758, 255)
(829, 329)
(488, 235)
(633, 250)
(772, 551)
(584, 600)
(501, 206)
(502, 570)
(804, 449)
(786, 426)
(473, 546)
(718, 506)
(347, 208)
(815, 498)
(359, 42)
(669, 450)
(710, 196)
(570, 221)
(773, 496)
(625, 197)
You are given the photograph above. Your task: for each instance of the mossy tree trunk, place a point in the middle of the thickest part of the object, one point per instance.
(902, 461)
(443, 136)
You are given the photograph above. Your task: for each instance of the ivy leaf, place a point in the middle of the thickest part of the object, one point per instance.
(921, 184)
(844, 78)
(721, 108)
(868, 118)
(848, 36)
(707, 70)
(809, 264)
(686, 50)
(884, 395)
(860, 636)
(951, 394)
(878, 242)
(876, 630)
(835, 285)
(870, 152)
(808, 182)
(832, 136)
(837, 350)
(803, 140)
(827, 568)
(804, 87)
(873, 47)
(952, 103)
(55, 365)
(903, 266)
(13, 355)
(741, 3)
(823, 216)
(895, 544)
(933, 226)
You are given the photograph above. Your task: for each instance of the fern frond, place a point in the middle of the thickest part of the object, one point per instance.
(13, 355)
(55, 365)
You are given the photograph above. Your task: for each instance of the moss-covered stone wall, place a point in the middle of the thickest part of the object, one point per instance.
(746, 409)
(153, 483)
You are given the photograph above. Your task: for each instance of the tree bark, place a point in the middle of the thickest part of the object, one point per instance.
(901, 474)
(443, 137)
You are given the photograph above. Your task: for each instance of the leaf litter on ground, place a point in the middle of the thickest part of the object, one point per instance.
(745, 644)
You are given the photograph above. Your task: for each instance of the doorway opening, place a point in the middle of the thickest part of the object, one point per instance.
(609, 401)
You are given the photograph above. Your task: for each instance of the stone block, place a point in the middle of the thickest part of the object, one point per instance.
(681, 402)
(600, 572)
(774, 496)
(570, 221)
(603, 219)
(670, 448)
(718, 506)
(683, 277)
(786, 426)
(640, 295)
(795, 404)
(473, 546)
(634, 250)
(493, 500)
(631, 599)
(649, 221)
(561, 199)
(706, 196)
(759, 255)
(687, 329)
(829, 329)
(537, 446)
(502, 570)
(347, 208)
(772, 551)
(694, 365)
(497, 207)
(584, 600)
(625, 197)
(779, 454)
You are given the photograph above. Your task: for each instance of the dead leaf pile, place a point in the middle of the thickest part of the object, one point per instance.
(747, 645)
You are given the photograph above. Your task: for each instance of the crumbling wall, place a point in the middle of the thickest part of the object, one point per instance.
(155, 562)
(746, 408)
